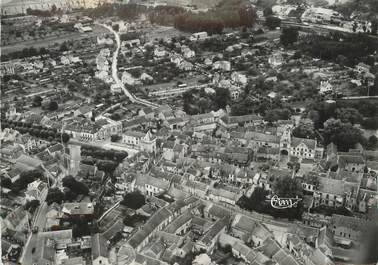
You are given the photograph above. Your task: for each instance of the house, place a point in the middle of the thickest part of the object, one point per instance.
(158, 222)
(351, 162)
(148, 143)
(99, 250)
(132, 138)
(346, 229)
(248, 230)
(215, 212)
(37, 190)
(336, 193)
(268, 153)
(236, 121)
(128, 79)
(321, 15)
(276, 59)
(176, 59)
(17, 220)
(78, 209)
(330, 192)
(11, 152)
(239, 78)
(90, 173)
(179, 151)
(85, 111)
(223, 195)
(198, 36)
(222, 65)
(168, 152)
(235, 92)
(159, 52)
(146, 112)
(303, 148)
(181, 225)
(208, 240)
(146, 77)
(258, 139)
(187, 52)
(149, 185)
(185, 66)
(196, 188)
(325, 87)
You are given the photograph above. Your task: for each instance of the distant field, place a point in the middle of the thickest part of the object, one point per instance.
(51, 41)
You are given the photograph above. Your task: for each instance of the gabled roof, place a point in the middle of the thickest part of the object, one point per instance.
(28, 161)
(331, 186)
(263, 137)
(310, 143)
(214, 230)
(178, 222)
(349, 222)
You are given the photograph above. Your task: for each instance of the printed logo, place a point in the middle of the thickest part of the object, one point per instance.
(284, 203)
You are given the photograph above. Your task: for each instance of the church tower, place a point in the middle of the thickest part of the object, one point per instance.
(285, 141)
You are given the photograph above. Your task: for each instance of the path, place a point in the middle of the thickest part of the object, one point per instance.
(116, 79)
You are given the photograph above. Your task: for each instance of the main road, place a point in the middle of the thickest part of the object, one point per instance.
(115, 76)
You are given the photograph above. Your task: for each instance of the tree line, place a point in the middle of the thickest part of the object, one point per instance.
(49, 134)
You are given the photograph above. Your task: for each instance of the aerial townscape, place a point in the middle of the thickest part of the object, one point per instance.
(189, 132)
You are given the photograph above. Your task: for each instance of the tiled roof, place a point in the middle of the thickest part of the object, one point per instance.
(354, 223)
(262, 137)
(331, 186)
(214, 230)
(178, 222)
(310, 143)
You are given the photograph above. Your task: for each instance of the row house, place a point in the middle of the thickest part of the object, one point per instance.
(142, 141)
(159, 221)
(223, 196)
(208, 241)
(149, 185)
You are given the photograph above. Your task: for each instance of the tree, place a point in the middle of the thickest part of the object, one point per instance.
(372, 143)
(286, 187)
(65, 137)
(54, 195)
(344, 135)
(107, 166)
(351, 115)
(133, 200)
(272, 22)
(115, 116)
(27, 177)
(289, 36)
(222, 97)
(268, 12)
(294, 166)
(74, 185)
(53, 105)
(5, 182)
(305, 129)
(115, 138)
(37, 101)
(277, 114)
(32, 205)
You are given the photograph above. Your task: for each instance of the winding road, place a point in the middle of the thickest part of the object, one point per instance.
(115, 76)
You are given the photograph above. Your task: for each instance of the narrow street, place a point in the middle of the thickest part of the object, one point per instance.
(115, 76)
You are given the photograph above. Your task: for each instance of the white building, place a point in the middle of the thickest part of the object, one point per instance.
(199, 36)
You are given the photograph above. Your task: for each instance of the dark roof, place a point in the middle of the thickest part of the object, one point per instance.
(114, 229)
(214, 230)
